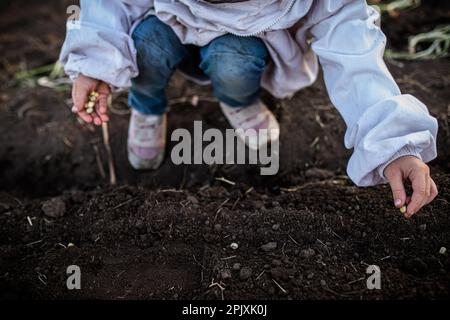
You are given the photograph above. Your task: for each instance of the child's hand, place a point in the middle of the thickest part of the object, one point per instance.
(81, 89)
(424, 188)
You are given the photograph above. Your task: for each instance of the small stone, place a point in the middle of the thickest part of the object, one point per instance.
(139, 224)
(276, 227)
(259, 204)
(307, 253)
(323, 283)
(234, 246)
(54, 208)
(192, 199)
(236, 266)
(225, 274)
(276, 262)
(443, 250)
(77, 196)
(270, 246)
(245, 273)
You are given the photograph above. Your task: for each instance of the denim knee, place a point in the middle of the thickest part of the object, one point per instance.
(159, 52)
(157, 43)
(235, 66)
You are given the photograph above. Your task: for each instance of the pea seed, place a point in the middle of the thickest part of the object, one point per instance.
(403, 209)
(89, 110)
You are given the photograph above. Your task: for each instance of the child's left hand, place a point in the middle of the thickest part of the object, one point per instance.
(415, 170)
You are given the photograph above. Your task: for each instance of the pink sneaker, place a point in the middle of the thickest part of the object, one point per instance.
(256, 116)
(146, 140)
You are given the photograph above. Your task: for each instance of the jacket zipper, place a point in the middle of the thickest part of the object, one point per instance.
(273, 23)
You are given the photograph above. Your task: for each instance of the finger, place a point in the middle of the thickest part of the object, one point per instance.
(420, 192)
(408, 200)
(104, 91)
(85, 116)
(433, 191)
(398, 189)
(104, 117)
(102, 104)
(96, 119)
(427, 191)
(79, 97)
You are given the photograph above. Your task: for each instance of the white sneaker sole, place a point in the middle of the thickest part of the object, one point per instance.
(274, 136)
(144, 164)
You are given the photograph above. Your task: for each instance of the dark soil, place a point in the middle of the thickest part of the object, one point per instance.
(167, 234)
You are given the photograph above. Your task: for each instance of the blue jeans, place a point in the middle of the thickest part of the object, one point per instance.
(234, 65)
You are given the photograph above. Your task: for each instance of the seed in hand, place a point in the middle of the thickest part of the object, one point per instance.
(89, 106)
(403, 209)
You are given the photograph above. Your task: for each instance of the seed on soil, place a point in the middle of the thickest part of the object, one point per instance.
(403, 209)
(269, 246)
(234, 246)
(443, 250)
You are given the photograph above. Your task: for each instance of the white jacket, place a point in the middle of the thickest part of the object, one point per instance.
(343, 35)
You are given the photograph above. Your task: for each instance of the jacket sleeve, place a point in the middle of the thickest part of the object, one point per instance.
(382, 123)
(99, 44)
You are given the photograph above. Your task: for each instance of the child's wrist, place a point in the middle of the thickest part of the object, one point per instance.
(405, 151)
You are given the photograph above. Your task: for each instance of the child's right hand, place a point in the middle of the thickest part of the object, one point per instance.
(81, 89)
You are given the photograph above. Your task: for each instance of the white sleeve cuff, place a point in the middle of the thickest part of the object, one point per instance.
(405, 151)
